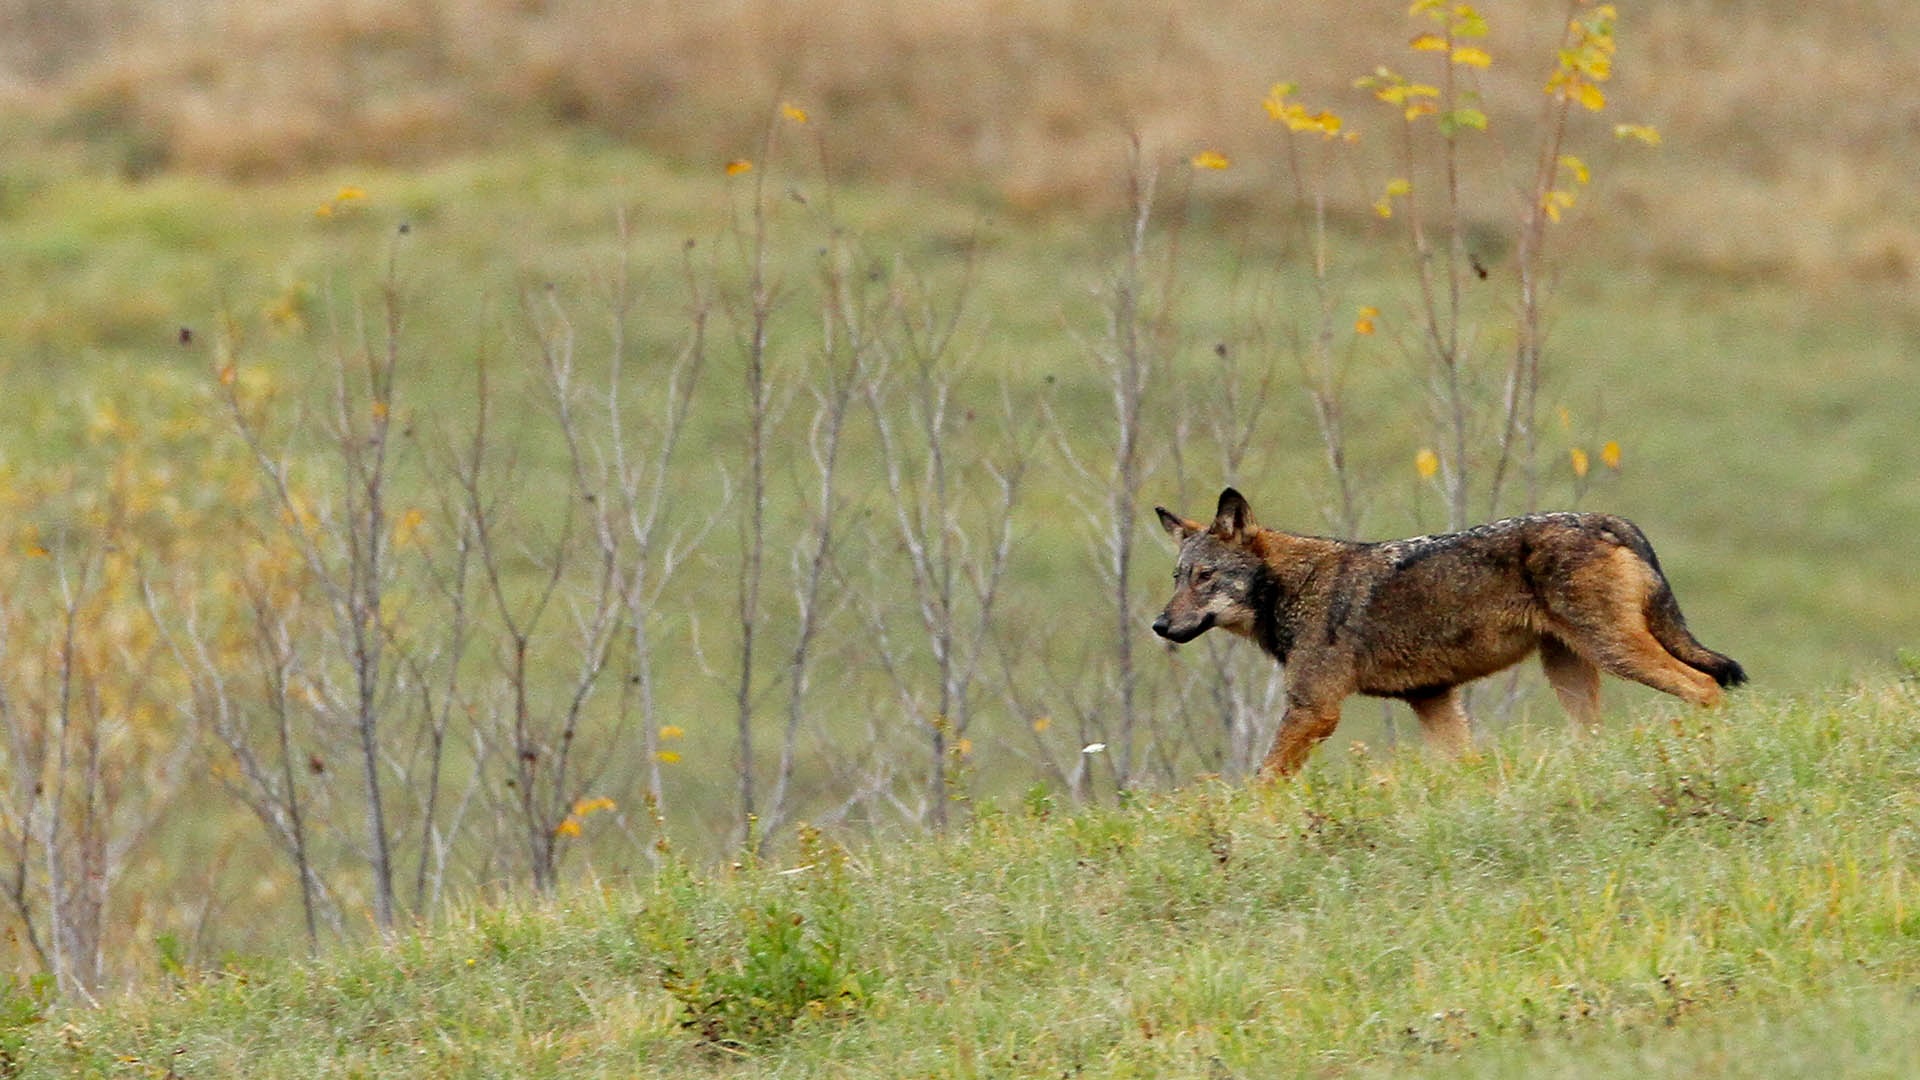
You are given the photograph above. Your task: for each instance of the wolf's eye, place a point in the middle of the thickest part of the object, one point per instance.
(1202, 575)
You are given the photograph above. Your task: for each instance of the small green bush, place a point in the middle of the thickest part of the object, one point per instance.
(769, 965)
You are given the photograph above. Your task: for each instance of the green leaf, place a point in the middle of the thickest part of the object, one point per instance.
(1452, 122)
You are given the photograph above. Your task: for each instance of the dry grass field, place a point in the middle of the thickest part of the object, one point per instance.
(1790, 127)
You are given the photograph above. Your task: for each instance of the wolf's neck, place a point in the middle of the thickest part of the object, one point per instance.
(1291, 564)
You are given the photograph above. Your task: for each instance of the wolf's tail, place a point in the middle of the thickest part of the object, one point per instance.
(1670, 630)
(1669, 627)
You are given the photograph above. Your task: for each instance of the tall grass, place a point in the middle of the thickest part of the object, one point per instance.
(1667, 893)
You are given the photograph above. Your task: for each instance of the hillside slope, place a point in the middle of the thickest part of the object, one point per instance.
(1732, 894)
(1764, 174)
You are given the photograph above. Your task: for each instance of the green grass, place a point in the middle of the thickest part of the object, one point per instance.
(1765, 442)
(1661, 900)
(1727, 894)
(1852, 1028)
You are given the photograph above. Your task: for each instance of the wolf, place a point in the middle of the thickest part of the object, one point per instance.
(1414, 619)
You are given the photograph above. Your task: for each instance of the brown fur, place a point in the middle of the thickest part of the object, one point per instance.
(1414, 619)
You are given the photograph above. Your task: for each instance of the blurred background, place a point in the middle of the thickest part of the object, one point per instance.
(1790, 126)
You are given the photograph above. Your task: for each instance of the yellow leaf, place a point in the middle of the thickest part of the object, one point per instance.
(584, 807)
(1473, 57)
(1276, 100)
(1595, 64)
(1363, 324)
(1577, 167)
(666, 757)
(738, 166)
(793, 112)
(1428, 43)
(1383, 208)
(963, 746)
(671, 731)
(407, 529)
(1421, 108)
(1589, 95)
(342, 200)
(106, 422)
(1210, 159)
(1426, 463)
(1041, 724)
(1422, 7)
(1610, 455)
(569, 827)
(1579, 458)
(1646, 133)
(1468, 22)
(1297, 118)
(227, 375)
(1399, 186)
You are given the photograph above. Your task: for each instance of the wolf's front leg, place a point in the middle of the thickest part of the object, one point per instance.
(1302, 728)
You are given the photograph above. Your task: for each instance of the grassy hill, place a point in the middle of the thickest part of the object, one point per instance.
(213, 200)
(1731, 894)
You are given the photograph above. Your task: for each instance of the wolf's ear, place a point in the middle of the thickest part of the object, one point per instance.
(1234, 519)
(1177, 527)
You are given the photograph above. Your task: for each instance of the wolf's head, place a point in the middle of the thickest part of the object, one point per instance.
(1214, 579)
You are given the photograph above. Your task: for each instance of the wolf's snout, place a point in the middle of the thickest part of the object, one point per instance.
(1184, 631)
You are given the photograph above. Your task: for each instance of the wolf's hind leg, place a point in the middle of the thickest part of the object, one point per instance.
(1444, 719)
(1626, 648)
(1575, 679)
(1600, 611)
